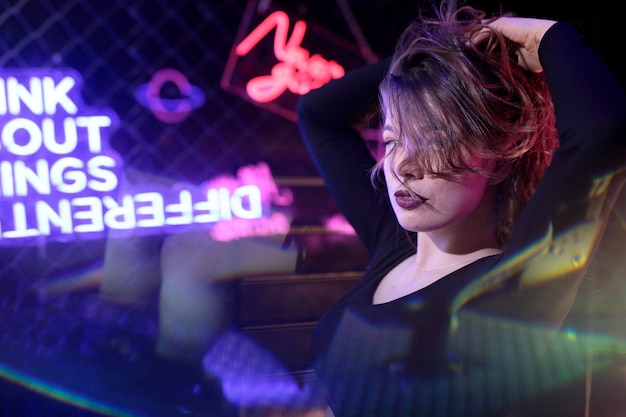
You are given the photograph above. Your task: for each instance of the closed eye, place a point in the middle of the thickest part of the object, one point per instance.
(390, 144)
(389, 139)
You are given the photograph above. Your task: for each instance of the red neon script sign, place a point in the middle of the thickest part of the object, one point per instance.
(297, 70)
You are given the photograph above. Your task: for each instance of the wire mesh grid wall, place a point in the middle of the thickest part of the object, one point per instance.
(117, 47)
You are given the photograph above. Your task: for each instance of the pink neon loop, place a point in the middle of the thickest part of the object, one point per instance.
(165, 109)
(156, 103)
(168, 74)
(298, 71)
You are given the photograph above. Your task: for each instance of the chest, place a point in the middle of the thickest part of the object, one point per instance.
(405, 279)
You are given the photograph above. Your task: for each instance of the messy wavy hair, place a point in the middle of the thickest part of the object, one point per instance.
(455, 90)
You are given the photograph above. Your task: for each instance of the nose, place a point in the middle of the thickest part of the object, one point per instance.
(408, 168)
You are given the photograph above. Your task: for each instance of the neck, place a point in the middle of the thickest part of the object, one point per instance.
(434, 255)
(464, 241)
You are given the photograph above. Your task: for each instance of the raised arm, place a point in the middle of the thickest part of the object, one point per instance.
(569, 208)
(328, 119)
(590, 110)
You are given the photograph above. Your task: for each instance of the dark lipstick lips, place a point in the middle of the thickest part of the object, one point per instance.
(408, 200)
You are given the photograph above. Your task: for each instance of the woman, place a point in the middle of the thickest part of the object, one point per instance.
(462, 317)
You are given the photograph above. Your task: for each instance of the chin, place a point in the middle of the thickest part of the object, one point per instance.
(412, 227)
(417, 227)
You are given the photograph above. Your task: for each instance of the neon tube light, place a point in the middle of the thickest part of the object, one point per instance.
(296, 71)
(60, 179)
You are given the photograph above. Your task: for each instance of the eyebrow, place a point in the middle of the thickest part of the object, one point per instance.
(388, 128)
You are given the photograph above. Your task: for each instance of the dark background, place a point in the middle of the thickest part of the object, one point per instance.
(382, 21)
(117, 45)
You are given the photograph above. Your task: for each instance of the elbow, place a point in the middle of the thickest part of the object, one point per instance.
(305, 106)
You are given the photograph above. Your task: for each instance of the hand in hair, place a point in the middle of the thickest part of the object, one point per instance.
(527, 33)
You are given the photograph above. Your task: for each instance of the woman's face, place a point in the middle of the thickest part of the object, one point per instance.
(424, 203)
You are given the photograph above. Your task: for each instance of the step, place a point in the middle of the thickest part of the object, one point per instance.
(279, 312)
(290, 298)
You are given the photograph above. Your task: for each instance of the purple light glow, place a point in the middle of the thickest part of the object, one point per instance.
(170, 110)
(60, 179)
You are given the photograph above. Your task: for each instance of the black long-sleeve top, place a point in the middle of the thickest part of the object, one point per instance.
(481, 340)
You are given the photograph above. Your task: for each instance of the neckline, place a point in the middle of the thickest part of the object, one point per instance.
(433, 285)
(489, 252)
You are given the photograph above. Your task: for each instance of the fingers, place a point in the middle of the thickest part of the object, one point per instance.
(527, 33)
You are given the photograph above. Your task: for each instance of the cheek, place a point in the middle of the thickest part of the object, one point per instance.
(477, 183)
(390, 177)
(467, 195)
(474, 189)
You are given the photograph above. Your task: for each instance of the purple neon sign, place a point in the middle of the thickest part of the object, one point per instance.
(55, 161)
(60, 179)
(169, 110)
